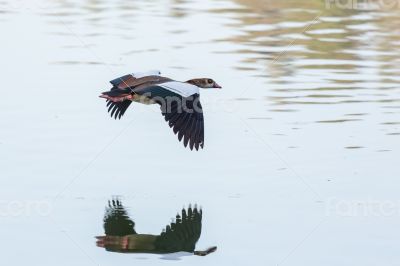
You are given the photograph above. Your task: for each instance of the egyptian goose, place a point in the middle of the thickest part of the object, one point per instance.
(120, 235)
(179, 101)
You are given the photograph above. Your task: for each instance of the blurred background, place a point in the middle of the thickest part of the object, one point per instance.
(301, 145)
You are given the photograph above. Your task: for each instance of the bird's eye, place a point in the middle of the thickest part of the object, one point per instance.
(210, 81)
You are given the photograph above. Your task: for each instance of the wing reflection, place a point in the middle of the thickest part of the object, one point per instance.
(181, 235)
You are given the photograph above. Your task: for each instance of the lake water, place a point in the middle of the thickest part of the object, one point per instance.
(301, 148)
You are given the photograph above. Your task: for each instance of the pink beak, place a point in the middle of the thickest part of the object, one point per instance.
(217, 86)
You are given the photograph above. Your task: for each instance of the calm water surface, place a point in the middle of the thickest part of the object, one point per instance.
(300, 159)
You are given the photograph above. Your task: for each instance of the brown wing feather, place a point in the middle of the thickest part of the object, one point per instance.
(144, 82)
(127, 82)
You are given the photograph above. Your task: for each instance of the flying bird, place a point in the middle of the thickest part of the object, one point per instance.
(180, 235)
(179, 101)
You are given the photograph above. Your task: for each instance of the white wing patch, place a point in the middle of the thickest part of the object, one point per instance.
(181, 88)
(146, 73)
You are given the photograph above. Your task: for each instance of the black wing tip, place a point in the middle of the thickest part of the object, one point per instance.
(186, 121)
(117, 110)
(115, 202)
(197, 146)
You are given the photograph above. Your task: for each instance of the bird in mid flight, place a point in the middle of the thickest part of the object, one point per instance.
(180, 235)
(179, 101)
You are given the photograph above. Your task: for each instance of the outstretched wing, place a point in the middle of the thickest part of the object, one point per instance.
(181, 108)
(118, 109)
(117, 221)
(179, 101)
(183, 234)
(185, 117)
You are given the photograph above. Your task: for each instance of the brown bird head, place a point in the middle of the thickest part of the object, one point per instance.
(204, 83)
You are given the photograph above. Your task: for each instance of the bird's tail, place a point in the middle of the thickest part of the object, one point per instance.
(117, 95)
(115, 92)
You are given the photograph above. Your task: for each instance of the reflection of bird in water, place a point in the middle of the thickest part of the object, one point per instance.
(181, 235)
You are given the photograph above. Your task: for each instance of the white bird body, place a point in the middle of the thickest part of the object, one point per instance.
(182, 88)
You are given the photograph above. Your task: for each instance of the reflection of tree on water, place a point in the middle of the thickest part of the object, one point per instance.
(282, 13)
(285, 23)
(336, 46)
(181, 235)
